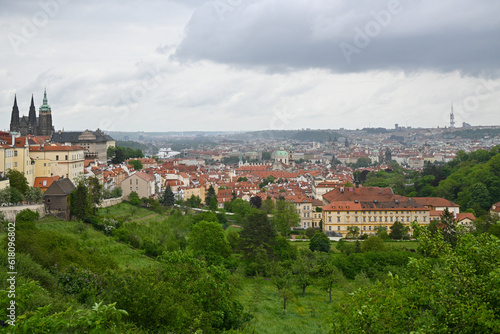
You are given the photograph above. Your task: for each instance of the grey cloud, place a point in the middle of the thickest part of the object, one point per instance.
(280, 35)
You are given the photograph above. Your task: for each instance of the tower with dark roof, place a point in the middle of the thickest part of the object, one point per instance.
(31, 124)
(14, 119)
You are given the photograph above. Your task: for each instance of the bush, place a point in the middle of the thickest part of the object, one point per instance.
(320, 242)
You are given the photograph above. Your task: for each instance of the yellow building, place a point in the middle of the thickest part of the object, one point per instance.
(339, 215)
(58, 160)
(17, 158)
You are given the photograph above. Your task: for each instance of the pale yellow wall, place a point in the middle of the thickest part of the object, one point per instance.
(69, 164)
(43, 168)
(140, 186)
(339, 221)
(17, 158)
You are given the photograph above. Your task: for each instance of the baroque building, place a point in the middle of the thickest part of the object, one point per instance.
(31, 124)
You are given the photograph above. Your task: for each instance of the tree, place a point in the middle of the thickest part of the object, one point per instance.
(449, 230)
(283, 280)
(381, 232)
(258, 232)
(353, 232)
(320, 243)
(5, 195)
(208, 240)
(304, 269)
(168, 198)
(210, 194)
(18, 181)
(328, 273)
(268, 205)
(363, 162)
(285, 216)
(137, 164)
(95, 191)
(193, 201)
(479, 198)
(242, 179)
(256, 202)
(34, 195)
(134, 199)
(397, 231)
(80, 202)
(373, 244)
(266, 181)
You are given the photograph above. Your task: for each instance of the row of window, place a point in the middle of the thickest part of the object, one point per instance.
(380, 219)
(381, 212)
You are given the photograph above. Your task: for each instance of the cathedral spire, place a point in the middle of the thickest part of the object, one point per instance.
(32, 115)
(45, 108)
(14, 119)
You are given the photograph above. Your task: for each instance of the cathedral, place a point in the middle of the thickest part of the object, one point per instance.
(31, 124)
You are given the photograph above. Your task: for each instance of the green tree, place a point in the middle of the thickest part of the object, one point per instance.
(210, 194)
(397, 231)
(80, 202)
(137, 164)
(283, 280)
(328, 274)
(479, 198)
(18, 181)
(285, 216)
(193, 201)
(449, 230)
(242, 179)
(208, 240)
(168, 198)
(268, 205)
(320, 243)
(34, 195)
(381, 232)
(134, 199)
(258, 234)
(373, 244)
(304, 269)
(353, 232)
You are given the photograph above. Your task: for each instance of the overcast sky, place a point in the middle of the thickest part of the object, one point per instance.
(157, 65)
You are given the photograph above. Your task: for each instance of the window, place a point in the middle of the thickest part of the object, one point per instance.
(338, 228)
(425, 219)
(356, 219)
(15, 153)
(130, 188)
(66, 157)
(44, 164)
(369, 228)
(392, 219)
(329, 219)
(329, 228)
(385, 218)
(364, 228)
(338, 219)
(57, 157)
(15, 164)
(364, 219)
(369, 219)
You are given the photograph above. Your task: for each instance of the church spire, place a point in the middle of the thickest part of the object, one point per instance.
(14, 119)
(45, 108)
(32, 114)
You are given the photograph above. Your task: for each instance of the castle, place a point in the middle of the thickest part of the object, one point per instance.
(31, 124)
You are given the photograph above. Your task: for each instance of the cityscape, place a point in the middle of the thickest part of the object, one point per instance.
(249, 167)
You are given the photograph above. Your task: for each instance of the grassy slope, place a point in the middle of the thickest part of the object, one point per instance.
(124, 255)
(308, 314)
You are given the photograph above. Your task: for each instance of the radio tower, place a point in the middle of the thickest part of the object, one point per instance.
(452, 118)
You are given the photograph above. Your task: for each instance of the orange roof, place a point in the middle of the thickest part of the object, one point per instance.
(465, 215)
(435, 202)
(53, 148)
(44, 182)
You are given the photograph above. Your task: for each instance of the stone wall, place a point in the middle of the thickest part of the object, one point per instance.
(10, 212)
(110, 202)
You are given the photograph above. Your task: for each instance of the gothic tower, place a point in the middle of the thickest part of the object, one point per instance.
(14, 119)
(32, 122)
(45, 118)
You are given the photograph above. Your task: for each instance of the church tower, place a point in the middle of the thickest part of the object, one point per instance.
(32, 122)
(45, 118)
(14, 119)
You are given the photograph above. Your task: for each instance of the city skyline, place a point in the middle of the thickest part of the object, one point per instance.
(244, 66)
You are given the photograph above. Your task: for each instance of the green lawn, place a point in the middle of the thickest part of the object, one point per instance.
(124, 255)
(308, 314)
(130, 213)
